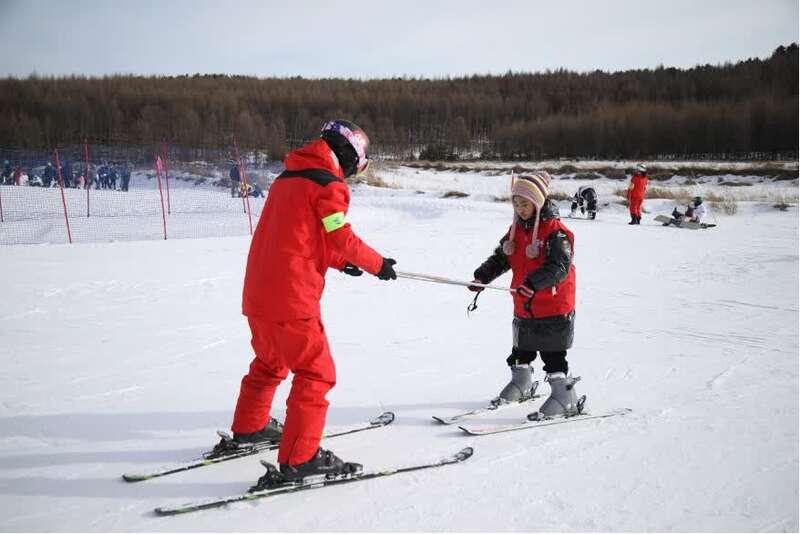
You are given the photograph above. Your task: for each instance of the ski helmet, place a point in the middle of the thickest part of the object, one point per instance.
(349, 143)
(697, 200)
(641, 168)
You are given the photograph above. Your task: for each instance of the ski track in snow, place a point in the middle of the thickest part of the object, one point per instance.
(121, 357)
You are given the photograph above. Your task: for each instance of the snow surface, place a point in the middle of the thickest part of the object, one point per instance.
(122, 357)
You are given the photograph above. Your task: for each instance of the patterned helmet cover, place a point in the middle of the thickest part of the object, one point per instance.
(355, 136)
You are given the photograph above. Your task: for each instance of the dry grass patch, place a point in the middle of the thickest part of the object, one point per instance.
(558, 195)
(727, 206)
(454, 194)
(370, 177)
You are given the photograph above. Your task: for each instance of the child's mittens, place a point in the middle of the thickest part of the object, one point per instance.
(525, 290)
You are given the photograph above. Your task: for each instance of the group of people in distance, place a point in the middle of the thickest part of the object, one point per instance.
(104, 177)
(585, 199)
(241, 188)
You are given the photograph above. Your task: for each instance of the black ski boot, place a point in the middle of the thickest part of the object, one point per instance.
(324, 462)
(638, 219)
(229, 445)
(633, 219)
(272, 432)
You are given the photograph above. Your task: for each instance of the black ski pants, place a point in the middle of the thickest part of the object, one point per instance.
(554, 362)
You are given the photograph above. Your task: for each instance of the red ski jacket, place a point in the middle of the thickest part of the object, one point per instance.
(301, 233)
(638, 186)
(555, 300)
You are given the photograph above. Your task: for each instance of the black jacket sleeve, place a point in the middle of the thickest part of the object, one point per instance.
(494, 266)
(556, 264)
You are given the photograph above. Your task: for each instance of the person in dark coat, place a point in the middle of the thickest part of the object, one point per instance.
(538, 249)
(8, 170)
(235, 177)
(48, 175)
(112, 178)
(585, 198)
(66, 173)
(125, 175)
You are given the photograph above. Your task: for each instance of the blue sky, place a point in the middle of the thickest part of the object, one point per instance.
(376, 39)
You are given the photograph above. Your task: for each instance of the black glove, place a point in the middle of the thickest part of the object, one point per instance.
(387, 271)
(477, 289)
(352, 270)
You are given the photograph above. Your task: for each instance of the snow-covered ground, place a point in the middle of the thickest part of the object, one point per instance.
(126, 356)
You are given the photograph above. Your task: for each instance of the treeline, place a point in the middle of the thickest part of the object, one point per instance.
(726, 110)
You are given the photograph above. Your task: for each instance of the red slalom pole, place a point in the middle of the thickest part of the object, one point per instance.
(87, 183)
(63, 198)
(243, 178)
(161, 192)
(1, 207)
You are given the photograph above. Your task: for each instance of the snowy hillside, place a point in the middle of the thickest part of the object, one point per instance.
(127, 356)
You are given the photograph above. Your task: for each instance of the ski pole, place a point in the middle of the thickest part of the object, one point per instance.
(442, 280)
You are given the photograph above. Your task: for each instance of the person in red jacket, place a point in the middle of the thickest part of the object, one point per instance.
(538, 248)
(302, 232)
(636, 193)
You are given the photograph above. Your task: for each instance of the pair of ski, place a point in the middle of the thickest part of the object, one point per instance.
(314, 482)
(533, 420)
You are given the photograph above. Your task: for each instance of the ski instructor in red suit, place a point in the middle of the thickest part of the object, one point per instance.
(303, 231)
(636, 193)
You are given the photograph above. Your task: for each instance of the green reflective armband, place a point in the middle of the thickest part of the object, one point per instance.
(333, 222)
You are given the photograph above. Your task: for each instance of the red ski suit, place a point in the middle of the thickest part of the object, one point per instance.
(302, 232)
(636, 192)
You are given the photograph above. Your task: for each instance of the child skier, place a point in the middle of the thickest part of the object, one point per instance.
(585, 198)
(538, 248)
(695, 212)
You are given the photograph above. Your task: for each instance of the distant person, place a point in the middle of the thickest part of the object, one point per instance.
(251, 190)
(48, 175)
(538, 249)
(256, 191)
(112, 178)
(585, 199)
(636, 193)
(8, 171)
(87, 176)
(236, 177)
(125, 175)
(66, 173)
(695, 212)
(102, 176)
(18, 175)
